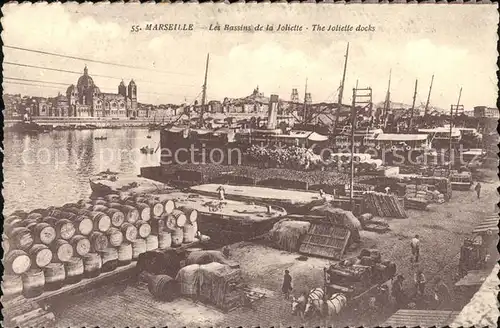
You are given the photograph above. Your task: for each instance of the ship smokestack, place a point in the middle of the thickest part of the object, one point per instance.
(272, 118)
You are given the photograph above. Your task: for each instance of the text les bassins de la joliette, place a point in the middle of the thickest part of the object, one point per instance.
(291, 28)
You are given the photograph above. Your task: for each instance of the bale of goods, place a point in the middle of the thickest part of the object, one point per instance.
(152, 243)
(12, 285)
(115, 237)
(21, 238)
(177, 237)
(102, 222)
(62, 251)
(109, 258)
(191, 213)
(55, 276)
(17, 262)
(117, 217)
(384, 205)
(157, 208)
(74, 270)
(81, 245)
(40, 255)
(219, 285)
(169, 206)
(92, 264)
(143, 228)
(160, 261)
(144, 211)
(189, 280)
(367, 261)
(157, 225)
(98, 241)
(83, 225)
(206, 256)
(189, 232)
(138, 247)
(5, 244)
(65, 229)
(162, 287)
(125, 254)
(33, 283)
(337, 215)
(374, 254)
(180, 218)
(129, 232)
(287, 234)
(164, 239)
(44, 233)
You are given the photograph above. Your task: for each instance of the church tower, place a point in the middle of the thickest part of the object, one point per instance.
(122, 89)
(132, 95)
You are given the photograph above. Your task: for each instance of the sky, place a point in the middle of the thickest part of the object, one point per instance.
(456, 43)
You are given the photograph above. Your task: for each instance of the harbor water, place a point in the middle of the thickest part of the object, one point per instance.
(50, 169)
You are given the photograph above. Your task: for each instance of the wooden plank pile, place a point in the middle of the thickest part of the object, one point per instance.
(20, 312)
(326, 240)
(384, 205)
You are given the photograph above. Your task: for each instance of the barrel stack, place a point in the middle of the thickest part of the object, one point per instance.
(46, 249)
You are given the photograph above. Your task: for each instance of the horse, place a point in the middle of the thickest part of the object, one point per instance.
(314, 294)
(331, 308)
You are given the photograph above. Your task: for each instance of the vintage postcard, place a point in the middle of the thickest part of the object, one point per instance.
(272, 165)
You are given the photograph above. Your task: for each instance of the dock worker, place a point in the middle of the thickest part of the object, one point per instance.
(420, 282)
(478, 190)
(397, 290)
(221, 193)
(415, 249)
(287, 284)
(387, 189)
(441, 294)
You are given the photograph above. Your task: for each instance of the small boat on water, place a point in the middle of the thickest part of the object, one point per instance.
(148, 136)
(147, 150)
(101, 138)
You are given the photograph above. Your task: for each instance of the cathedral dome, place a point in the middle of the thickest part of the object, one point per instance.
(70, 89)
(85, 81)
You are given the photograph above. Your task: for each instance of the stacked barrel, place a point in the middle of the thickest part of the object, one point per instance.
(49, 248)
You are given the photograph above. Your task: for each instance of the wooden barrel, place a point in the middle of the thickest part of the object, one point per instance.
(115, 237)
(37, 216)
(30, 225)
(83, 225)
(169, 206)
(12, 285)
(143, 228)
(190, 230)
(86, 212)
(117, 217)
(74, 270)
(50, 220)
(61, 214)
(87, 206)
(92, 264)
(125, 254)
(170, 223)
(21, 238)
(180, 218)
(164, 239)
(20, 214)
(163, 287)
(80, 244)
(157, 225)
(65, 229)
(40, 255)
(74, 210)
(191, 213)
(5, 244)
(99, 208)
(157, 208)
(55, 275)
(17, 262)
(177, 237)
(101, 201)
(11, 225)
(62, 251)
(151, 243)
(109, 259)
(144, 211)
(138, 247)
(112, 198)
(102, 222)
(131, 213)
(33, 283)
(98, 241)
(68, 205)
(129, 231)
(44, 233)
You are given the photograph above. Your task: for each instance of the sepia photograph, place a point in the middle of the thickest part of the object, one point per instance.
(272, 165)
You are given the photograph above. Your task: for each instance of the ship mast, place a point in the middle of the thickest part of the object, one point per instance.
(451, 129)
(413, 106)
(387, 102)
(306, 118)
(204, 94)
(341, 91)
(428, 97)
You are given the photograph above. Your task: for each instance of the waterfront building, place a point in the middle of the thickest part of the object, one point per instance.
(486, 112)
(86, 99)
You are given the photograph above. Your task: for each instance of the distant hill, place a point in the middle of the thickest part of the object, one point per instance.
(396, 105)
